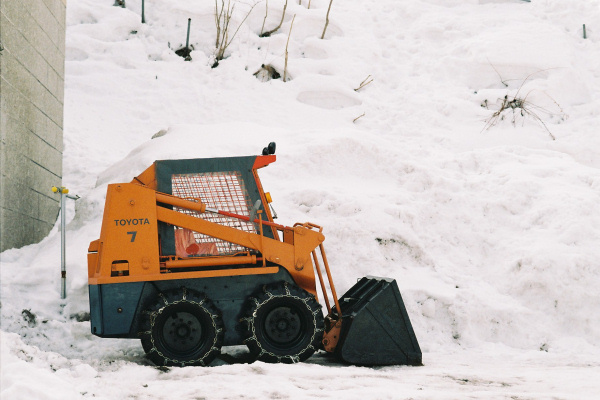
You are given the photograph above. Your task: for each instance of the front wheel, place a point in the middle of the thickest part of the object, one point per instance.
(181, 328)
(283, 323)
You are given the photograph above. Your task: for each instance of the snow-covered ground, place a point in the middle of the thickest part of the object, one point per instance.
(492, 234)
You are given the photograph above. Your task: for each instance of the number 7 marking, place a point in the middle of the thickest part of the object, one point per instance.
(133, 234)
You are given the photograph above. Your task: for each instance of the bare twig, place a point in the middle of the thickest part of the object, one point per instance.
(360, 116)
(499, 76)
(222, 20)
(364, 83)
(326, 19)
(286, 49)
(218, 18)
(240, 25)
(265, 19)
(272, 31)
(521, 106)
(225, 19)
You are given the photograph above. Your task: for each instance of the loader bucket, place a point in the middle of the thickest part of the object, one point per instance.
(376, 329)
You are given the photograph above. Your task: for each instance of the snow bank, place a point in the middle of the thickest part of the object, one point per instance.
(492, 234)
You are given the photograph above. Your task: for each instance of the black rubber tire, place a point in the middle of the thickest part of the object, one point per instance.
(282, 323)
(181, 328)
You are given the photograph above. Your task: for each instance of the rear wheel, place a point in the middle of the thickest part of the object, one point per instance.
(182, 327)
(283, 323)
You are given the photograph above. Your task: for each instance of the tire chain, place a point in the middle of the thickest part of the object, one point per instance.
(251, 319)
(152, 318)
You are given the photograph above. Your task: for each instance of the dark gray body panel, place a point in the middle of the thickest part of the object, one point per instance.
(116, 309)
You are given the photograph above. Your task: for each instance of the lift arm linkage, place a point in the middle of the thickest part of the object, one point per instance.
(129, 204)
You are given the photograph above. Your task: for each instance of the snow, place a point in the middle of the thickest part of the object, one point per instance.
(492, 234)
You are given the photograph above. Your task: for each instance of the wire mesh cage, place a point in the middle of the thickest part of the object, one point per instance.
(224, 191)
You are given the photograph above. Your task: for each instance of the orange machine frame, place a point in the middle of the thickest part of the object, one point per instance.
(131, 215)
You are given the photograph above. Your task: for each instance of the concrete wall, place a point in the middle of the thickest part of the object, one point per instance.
(32, 70)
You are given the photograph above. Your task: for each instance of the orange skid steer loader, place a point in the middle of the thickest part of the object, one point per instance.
(190, 260)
